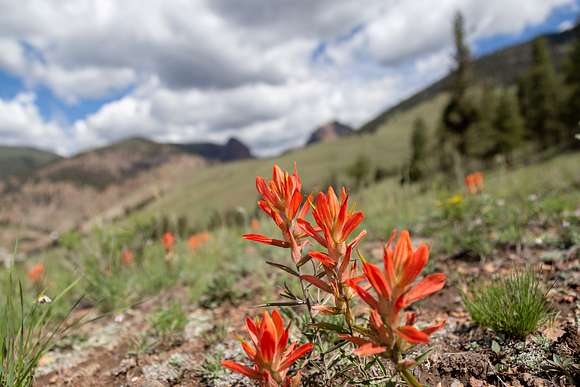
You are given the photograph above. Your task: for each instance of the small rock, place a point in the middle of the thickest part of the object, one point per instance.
(468, 363)
(199, 323)
(553, 333)
(160, 373)
(169, 371)
(473, 382)
(125, 366)
(456, 383)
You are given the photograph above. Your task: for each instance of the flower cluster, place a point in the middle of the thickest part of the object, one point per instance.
(336, 223)
(474, 182)
(282, 201)
(385, 332)
(168, 241)
(36, 273)
(197, 240)
(270, 352)
(389, 333)
(127, 257)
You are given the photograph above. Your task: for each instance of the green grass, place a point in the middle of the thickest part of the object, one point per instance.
(168, 322)
(27, 331)
(515, 305)
(555, 183)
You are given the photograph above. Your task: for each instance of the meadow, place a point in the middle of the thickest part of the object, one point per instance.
(149, 312)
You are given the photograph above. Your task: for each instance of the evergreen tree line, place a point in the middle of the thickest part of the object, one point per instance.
(478, 124)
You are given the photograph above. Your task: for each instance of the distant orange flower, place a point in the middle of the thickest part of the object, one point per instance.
(168, 241)
(197, 240)
(36, 273)
(270, 352)
(474, 182)
(394, 291)
(254, 224)
(127, 257)
(282, 201)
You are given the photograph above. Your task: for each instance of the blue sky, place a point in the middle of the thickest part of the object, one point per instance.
(265, 73)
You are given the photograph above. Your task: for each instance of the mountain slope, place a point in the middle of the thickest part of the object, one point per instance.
(384, 141)
(232, 150)
(501, 67)
(16, 160)
(329, 132)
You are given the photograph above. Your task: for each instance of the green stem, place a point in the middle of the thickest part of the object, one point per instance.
(410, 378)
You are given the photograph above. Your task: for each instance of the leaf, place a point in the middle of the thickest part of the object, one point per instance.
(329, 327)
(304, 260)
(280, 303)
(284, 268)
(287, 293)
(422, 357)
(495, 347)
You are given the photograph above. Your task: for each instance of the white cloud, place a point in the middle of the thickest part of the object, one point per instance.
(267, 72)
(21, 123)
(252, 113)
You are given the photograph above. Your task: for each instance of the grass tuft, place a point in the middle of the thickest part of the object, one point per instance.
(515, 305)
(27, 332)
(169, 321)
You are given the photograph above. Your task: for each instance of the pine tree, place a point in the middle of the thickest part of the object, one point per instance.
(359, 171)
(572, 78)
(418, 150)
(460, 113)
(542, 98)
(509, 125)
(481, 136)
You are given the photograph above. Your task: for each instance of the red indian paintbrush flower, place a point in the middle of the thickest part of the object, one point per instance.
(394, 291)
(168, 241)
(270, 352)
(336, 222)
(282, 201)
(127, 257)
(197, 240)
(474, 182)
(36, 273)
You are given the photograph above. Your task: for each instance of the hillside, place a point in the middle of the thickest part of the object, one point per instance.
(501, 67)
(222, 187)
(384, 140)
(16, 160)
(97, 185)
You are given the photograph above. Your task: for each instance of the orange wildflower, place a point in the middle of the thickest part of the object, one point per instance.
(168, 241)
(282, 201)
(336, 224)
(36, 273)
(254, 224)
(394, 291)
(197, 240)
(270, 352)
(335, 221)
(127, 257)
(474, 182)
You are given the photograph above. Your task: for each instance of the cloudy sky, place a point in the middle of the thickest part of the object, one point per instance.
(76, 74)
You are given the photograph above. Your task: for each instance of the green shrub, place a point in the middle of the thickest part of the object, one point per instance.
(220, 290)
(515, 305)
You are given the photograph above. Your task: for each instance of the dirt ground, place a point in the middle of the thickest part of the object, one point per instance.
(113, 351)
